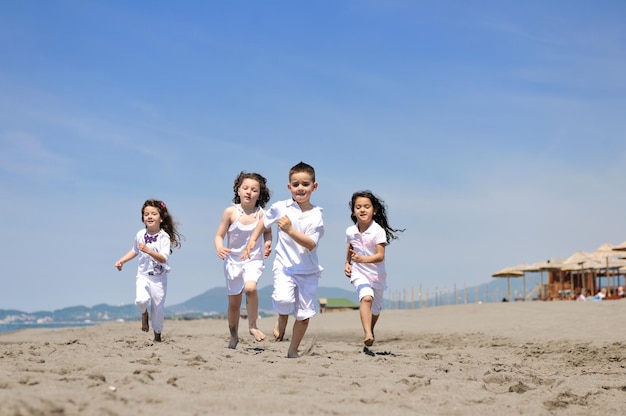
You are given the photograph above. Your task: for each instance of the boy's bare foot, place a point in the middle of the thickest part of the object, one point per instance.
(292, 354)
(145, 326)
(257, 334)
(157, 337)
(234, 340)
(277, 334)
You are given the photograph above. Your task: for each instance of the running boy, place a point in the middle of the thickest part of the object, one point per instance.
(296, 267)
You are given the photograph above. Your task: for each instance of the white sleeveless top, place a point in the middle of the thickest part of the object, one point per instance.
(238, 235)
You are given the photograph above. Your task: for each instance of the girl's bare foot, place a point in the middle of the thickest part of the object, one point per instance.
(157, 337)
(234, 340)
(145, 326)
(257, 334)
(369, 340)
(277, 334)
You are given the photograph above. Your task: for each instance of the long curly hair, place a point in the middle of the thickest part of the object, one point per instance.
(264, 192)
(168, 225)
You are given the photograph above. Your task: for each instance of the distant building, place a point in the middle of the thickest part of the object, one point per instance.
(336, 305)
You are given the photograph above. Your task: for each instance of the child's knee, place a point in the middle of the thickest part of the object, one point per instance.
(142, 305)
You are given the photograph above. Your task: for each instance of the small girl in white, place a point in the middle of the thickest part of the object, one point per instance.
(365, 257)
(238, 221)
(153, 246)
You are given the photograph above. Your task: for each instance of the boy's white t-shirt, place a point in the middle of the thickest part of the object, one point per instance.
(291, 257)
(159, 242)
(365, 244)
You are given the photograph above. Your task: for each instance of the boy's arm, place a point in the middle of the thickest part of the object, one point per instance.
(252, 241)
(307, 242)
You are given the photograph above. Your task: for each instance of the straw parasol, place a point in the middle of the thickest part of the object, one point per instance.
(581, 261)
(609, 255)
(620, 247)
(508, 272)
(523, 268)
(543, 266)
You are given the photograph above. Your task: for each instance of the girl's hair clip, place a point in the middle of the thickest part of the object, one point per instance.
(163, 205)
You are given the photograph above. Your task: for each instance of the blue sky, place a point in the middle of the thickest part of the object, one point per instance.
(494, 130)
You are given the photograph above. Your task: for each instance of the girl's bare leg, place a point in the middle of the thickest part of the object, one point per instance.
(299, 329)
(365, 310)
(280, 327)
(145, 322)
(374, 320)
(234, 307)
(252, 307)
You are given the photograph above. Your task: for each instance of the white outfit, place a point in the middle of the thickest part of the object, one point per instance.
(151, 282)
(236, 270)
(369, 279)
(296, 269)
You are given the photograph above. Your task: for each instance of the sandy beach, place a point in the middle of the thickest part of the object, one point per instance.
(533, 358)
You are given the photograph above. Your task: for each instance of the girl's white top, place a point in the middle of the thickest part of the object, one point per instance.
(159, 242)
(291, 257)
(365, 244)
(238, 235)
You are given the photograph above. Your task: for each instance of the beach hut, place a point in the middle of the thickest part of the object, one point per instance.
(336, 304)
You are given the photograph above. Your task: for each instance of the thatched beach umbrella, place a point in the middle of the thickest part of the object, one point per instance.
(578, 261)
(609, 256)
(523, 268)
(508, 272)
(549, 265)
(620, 247)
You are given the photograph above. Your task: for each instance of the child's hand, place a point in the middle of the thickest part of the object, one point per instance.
(223, 252)
(267, 250)
(347, 270)
(356, 257)
(119, 265)
(142, 247)
(246, 253)
(285, 224)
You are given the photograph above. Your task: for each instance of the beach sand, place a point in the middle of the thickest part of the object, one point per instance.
(523, 358)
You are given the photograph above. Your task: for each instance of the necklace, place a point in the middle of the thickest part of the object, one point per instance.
(150, 238)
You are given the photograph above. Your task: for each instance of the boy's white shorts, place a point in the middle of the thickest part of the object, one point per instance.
(295, 294)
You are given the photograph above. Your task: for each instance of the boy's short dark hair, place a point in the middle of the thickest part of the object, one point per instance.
(302, 167)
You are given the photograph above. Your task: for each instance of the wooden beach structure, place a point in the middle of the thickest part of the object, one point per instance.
(581, 273)
(336, 305)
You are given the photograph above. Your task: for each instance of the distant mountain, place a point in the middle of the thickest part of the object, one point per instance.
(214, 302)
